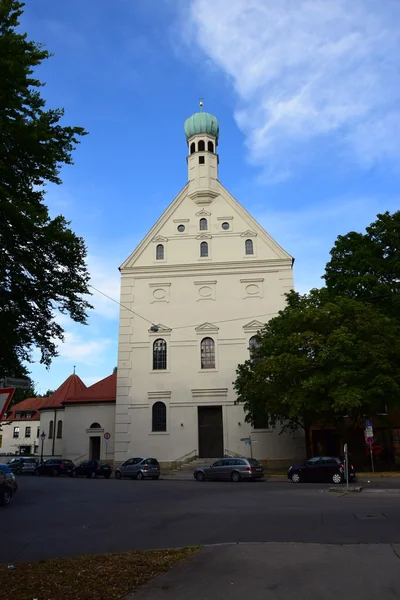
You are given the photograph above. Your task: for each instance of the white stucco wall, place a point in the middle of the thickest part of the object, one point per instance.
(52, 446)
(11, 444)
(77, 421)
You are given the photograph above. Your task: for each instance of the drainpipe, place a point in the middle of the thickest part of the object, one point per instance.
(54, 431)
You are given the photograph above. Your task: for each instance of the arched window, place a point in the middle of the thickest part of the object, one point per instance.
(59, 428)
(253, 345)
(192, 148)
(203, 249)
(210, 147)
(207, 348)
(95, 426)
(203, 224)
(159, 355)
(201, 146)
(160, 252)
(248, 245)
(159, 417)
(51, 430)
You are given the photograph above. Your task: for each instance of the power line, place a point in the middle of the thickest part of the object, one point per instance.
(119, 303)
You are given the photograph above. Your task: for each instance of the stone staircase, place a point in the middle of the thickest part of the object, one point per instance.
(198, 462)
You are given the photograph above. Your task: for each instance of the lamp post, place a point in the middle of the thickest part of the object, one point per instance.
(42, 437)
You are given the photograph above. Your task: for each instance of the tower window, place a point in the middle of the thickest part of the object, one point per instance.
(160, 252)
(159, 417)
(201, 146)
(225, 225)
(203, 225)
(181, 228)
(210, 147)
(203, 249)
(159, 355)
(201, 160)
(207, 350)
(248, 245)
(192, 148)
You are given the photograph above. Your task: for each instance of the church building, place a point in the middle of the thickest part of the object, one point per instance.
(194, 293)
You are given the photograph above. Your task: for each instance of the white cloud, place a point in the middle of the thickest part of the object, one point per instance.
(82, 350)
(104, 276)
(306, 71)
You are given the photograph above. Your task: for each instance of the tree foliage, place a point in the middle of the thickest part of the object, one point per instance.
(367, 266)
(42, 262)
(322, 358)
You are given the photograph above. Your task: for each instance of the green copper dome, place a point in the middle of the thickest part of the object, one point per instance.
(201, 122)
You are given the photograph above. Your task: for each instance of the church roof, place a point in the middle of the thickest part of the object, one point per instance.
(201, 122)
(102, 391)
(72, 386)
(32, 405)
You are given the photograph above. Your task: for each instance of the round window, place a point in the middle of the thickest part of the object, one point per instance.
(225, 225)
(181, 228)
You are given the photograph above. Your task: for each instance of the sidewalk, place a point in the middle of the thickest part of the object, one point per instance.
(275, 571)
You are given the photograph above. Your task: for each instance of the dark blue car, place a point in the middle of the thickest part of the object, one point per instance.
(8, 485)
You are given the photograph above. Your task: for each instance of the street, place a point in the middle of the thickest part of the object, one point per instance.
(54, 517)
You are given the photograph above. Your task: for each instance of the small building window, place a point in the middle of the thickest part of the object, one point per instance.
(249, 247)
(27, 432)
(203, 225)
(181, 228)
(95, 426)
(201, 146)
(37, 432)
(51, 429)
(160, 252)
(59, 429)
(210, 147)
(159, 355)
(207, 348)
(192, 148)
(18, 415)
(16, 432)
(29, 415)
(261, 421)
(203, 249)
(159, 417)
(201, 160)
(225, 226)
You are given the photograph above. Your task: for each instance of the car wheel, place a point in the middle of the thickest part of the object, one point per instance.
(5, 498)
(296, 478)
(337, 478)
(55, 473)
(118, 475)
(235, 476)
(200, 476)
(140, 476)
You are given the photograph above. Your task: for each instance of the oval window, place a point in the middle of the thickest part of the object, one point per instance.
(181, 228)
(225, 225)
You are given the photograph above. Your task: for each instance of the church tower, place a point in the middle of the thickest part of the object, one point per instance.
(202, 131)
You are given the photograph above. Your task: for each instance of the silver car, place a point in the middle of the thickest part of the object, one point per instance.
(231, 469)
(139, 468)
(21, 464)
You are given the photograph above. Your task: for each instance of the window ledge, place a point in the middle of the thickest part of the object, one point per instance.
(158, 371)
(208, 370)
(159, 433)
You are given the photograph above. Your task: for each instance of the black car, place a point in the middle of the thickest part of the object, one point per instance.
(92, 468)
(321, 468)
(55, 467)
(8, 485)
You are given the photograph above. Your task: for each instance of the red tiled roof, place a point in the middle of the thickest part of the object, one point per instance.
(102, 391)
(72, 386)
(29, 404)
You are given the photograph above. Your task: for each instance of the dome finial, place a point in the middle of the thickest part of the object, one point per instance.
(201, 104)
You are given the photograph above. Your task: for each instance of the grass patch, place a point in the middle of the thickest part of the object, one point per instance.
(104, 577)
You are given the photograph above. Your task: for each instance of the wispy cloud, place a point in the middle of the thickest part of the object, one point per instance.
(106, 278)
(82, 350)
(308, 71)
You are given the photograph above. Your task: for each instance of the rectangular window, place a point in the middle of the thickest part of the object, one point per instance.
(38, 432)
(18, 415)
(27, 432)
(261, 422)
(201, 160)
(16, 432)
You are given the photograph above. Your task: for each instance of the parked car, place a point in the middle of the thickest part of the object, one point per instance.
(231, 469)
(8, 485)
(92, 468)
(55, 467)
(21, 464)
(321, 468)
(139, 468)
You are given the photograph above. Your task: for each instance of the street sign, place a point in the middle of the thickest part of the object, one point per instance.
(17, 382)
(107, 436)
(368, 423)
(245, 439)
(5, 398)
(369, 440)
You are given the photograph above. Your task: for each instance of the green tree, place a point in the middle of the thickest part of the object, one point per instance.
(322, 358)
(42, 262)
(367, 265)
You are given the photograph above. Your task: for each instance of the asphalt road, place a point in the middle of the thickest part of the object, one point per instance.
(51, 517)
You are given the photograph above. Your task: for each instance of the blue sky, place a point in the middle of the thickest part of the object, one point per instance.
(307, 96)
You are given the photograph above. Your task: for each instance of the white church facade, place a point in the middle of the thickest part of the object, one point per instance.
(194, 293)
(205, 278)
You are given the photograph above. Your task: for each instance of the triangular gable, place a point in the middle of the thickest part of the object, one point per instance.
(161, 329)
(253, 326)
(160, 238)
(203, 236)
(156, 227)
(206, 327)
(256, 227)
(248, 234)
(203, 213)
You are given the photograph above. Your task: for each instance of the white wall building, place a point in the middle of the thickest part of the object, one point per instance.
(209, 276)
